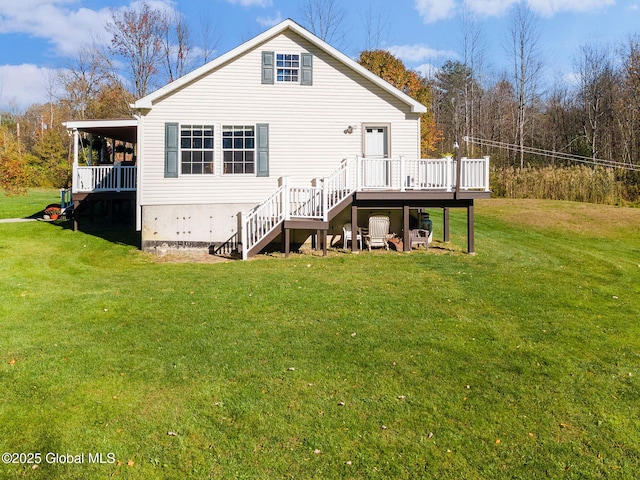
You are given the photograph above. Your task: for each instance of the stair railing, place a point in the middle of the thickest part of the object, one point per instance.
(340, 184)
(261, 220)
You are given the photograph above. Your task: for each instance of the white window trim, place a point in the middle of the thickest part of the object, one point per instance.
(191, 126)
(222, 127)
(298, 69)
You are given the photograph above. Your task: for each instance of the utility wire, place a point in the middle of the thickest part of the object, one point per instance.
(552, 154)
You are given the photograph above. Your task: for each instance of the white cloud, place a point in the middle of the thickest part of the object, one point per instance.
(269, 21)
(551, 7)
(490, 8)
(251, 3)
(433, 10)
(548, 8)
(418, 53)
(24, 85)
(54, 21)
(427, 70)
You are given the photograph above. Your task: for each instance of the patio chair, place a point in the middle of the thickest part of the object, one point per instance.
(378, 232)
(420, 236)
(346, 236)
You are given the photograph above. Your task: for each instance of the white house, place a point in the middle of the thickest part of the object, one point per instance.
(283, 128)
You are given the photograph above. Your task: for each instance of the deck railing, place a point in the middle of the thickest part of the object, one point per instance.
(304, 202)
(357, 174)
(104, 178)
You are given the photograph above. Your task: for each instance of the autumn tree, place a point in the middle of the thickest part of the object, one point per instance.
(14, 176)
(91, 88)
(392, 70)
(50, 158)
(137, 39)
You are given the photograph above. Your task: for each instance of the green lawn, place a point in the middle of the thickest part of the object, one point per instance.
(26, 206)
(521, 361)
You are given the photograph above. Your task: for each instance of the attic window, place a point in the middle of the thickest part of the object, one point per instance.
(292, 68)
(287, 67)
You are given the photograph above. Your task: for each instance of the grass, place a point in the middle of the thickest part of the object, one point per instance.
(25, 206)
(519, 362)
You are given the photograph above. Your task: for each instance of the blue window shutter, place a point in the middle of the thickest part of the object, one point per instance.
(306, 69)
(262, 150)
(268, 67)
(170, 150)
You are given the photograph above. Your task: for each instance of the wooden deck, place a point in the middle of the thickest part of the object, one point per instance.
(366, 183)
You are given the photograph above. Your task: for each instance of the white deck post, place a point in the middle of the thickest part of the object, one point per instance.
(325, 199)
(464, 173)
(403, 173)
(447, 173)
(486, 173)
(242, 235)
(74, 174)
(286, 198)
(90, 158)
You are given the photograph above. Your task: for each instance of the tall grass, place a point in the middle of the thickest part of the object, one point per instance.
(573, 183)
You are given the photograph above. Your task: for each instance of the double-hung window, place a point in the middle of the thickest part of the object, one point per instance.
(238, 148)
(287, 67)
(196, 149)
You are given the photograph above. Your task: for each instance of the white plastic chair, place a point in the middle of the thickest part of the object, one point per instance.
(378, 233)
(346, 236)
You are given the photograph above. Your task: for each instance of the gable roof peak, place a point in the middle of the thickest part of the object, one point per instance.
(148, 101)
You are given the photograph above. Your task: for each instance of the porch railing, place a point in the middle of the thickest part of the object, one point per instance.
(104, 178)
(357, 174)
(66, 199)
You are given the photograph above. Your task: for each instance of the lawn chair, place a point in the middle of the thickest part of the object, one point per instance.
(346, 236)
(378, 232)
(420, 236)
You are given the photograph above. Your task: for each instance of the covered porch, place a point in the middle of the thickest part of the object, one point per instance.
(108, 174)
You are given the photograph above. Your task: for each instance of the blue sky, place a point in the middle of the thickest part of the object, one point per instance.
(38, 37)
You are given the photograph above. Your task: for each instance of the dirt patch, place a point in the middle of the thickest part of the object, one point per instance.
(189, 258)
(437, 248)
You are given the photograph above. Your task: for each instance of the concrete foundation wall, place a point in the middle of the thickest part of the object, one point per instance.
(167, 228)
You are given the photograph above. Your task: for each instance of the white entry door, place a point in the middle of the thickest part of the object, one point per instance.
(375, 142)
(376, 151)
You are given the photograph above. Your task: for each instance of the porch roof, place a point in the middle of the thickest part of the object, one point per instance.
(124, 129)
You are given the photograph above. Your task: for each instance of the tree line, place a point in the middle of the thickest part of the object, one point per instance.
(595, 114)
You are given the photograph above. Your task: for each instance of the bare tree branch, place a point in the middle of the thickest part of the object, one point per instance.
(326, 19)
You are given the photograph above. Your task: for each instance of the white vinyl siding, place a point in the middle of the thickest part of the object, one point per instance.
(306, 131)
